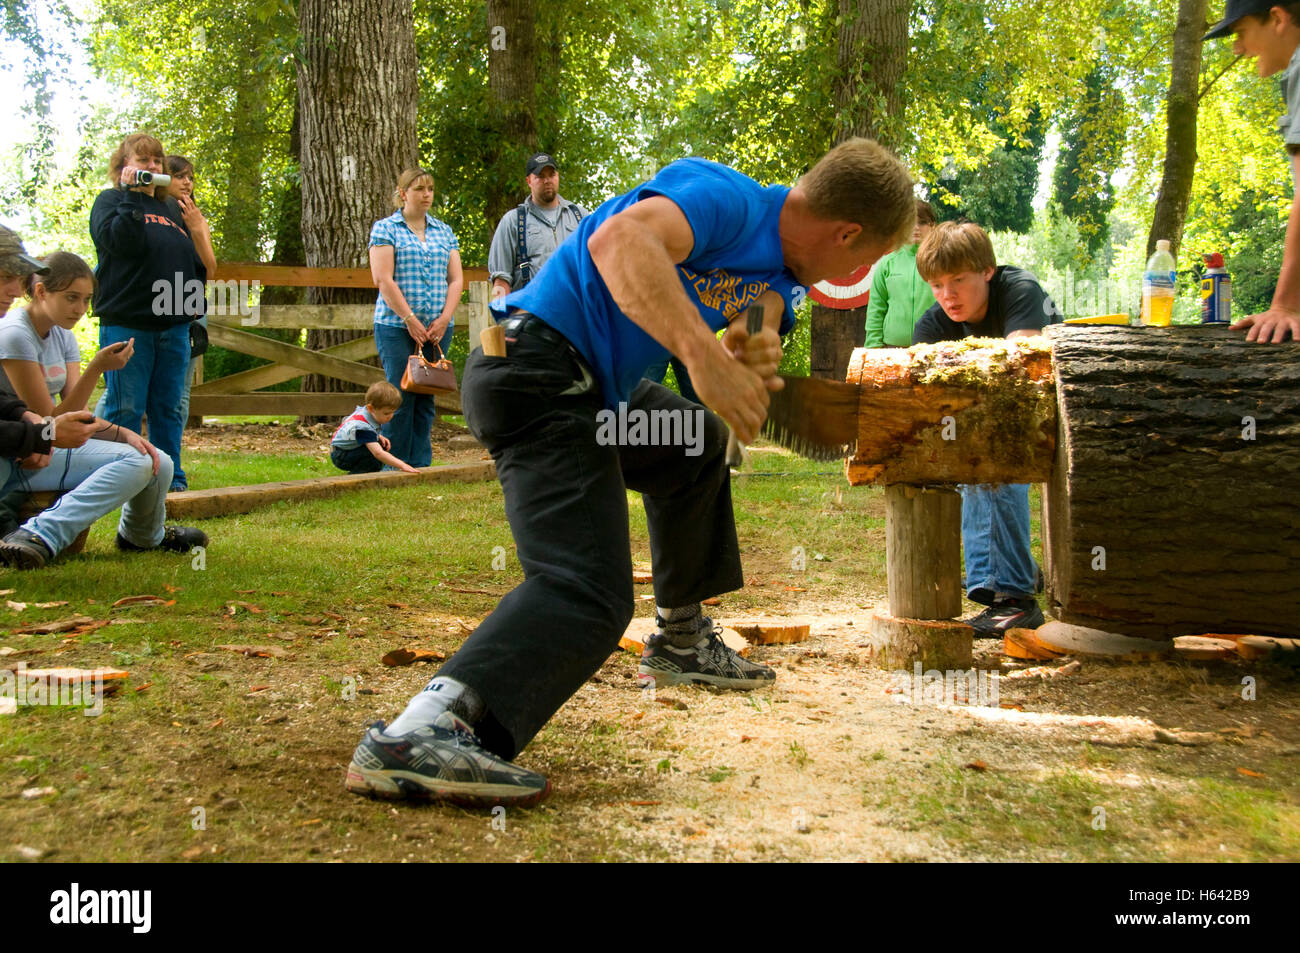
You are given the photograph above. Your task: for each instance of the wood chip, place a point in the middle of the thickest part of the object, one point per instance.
(256, 651)
(145, 600)
(1188, 739)
(1251, 774)
(1200, 648)
(63, 625)
(769, 632)
(976, 766)
(641, 578)
(50, 605)
(410, 656)
(1259, 646)
(1023, 644)
(110, 678)
(1096, 643)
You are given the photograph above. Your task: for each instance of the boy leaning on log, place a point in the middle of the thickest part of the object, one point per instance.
(975, 297)
(1270, 32)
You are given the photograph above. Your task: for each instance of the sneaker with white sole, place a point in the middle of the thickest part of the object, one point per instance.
(443, 762)
(708, 661)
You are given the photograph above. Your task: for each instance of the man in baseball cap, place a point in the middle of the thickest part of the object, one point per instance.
(1270, 32)
(15, 266)
(528, 235)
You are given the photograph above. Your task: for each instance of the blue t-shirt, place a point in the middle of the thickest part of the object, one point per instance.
(736, 258)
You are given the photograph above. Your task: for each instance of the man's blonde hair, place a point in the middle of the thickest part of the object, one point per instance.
(382, 395)
(953, 248)
(863, 182)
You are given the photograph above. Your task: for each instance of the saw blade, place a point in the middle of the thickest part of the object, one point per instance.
(815, 418)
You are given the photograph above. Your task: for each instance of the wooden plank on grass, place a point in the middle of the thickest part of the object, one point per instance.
(313, 362)
(229, 500)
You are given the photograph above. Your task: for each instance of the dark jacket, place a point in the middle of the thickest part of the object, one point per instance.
(18, 437)
(149, 271)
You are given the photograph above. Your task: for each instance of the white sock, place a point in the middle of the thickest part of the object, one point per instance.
(438, 696)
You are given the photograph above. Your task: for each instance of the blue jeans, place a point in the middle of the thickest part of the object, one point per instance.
(995, 539)
(152, 383)
(408, 431)
(96, 478)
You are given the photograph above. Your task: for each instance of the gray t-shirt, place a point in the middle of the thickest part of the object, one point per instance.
(547, 229)
(20, 342)
(1288, 124)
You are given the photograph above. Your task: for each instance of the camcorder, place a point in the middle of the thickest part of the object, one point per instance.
(145, 177)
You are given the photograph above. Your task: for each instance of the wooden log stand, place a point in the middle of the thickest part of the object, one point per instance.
(973, 412)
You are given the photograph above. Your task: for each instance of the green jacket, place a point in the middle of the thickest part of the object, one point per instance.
(898, 297)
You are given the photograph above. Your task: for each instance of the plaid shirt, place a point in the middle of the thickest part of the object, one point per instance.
(419, 268)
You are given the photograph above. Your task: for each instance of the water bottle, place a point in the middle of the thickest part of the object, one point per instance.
(1158, 287)
(1216, 292)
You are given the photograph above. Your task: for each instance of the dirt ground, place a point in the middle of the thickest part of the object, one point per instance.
(833, 762)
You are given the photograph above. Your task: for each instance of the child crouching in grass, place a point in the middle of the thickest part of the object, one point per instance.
(357, 445)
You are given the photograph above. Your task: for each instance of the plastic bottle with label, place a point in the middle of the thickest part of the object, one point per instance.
(1158, 287)
(1216, 292)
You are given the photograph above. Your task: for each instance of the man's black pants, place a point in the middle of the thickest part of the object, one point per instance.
(566, 500)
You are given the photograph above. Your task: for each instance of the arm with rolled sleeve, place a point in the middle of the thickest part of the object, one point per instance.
(501, 255)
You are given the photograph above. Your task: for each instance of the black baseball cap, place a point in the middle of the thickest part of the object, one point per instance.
(539, 161)
(1236, 10)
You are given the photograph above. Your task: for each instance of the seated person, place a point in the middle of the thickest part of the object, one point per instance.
(974, 297)
(357, 445)
(39, 360)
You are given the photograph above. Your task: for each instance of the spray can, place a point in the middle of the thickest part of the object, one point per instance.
(1216, 292)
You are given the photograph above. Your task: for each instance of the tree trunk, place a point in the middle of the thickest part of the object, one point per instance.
(1180, 135)
(1171, 510)
(871, 57)
(357, 99)
(512, 82)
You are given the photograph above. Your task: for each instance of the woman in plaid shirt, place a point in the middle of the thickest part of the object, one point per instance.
(415, 261)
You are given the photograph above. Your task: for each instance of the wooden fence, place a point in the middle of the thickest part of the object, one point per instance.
(242, 393)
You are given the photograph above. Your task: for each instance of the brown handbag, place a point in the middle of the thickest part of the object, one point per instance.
(429, 377)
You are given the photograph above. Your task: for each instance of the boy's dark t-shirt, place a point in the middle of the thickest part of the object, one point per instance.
(1016, 302)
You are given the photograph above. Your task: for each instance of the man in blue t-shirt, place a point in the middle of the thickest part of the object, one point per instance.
(572, 425)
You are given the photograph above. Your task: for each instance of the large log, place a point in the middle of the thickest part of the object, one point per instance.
(1172, 509)
(974, 411)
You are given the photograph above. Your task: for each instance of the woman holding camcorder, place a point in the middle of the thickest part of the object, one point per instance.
(150, 289)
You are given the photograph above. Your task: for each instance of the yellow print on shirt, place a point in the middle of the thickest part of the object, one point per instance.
(723, 292)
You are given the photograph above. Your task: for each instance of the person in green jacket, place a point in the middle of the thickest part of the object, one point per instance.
(899, 295)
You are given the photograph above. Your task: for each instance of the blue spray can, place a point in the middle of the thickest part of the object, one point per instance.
(1216, 292)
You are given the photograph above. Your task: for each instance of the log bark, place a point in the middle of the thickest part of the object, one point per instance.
(923, 552)
(976, 411)
(1172, 507)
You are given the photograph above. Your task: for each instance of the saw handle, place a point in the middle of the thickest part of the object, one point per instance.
(754, 325)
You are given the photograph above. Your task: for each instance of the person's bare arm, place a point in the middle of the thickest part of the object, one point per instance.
(383, 456)
(1283, 315)
(29, 385)
(76, 392)
(382, 263)
(455, 285)
(636, 252)
(500, 289)
(1023, 333)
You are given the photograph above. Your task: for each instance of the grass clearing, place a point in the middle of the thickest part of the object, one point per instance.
(825, 764)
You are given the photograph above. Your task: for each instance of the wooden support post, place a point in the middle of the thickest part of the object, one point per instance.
(923, 552)
(480, 294)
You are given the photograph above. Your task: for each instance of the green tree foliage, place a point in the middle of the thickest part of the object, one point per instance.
(1092, 148)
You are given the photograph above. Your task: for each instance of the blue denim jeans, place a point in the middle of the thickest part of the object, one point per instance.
(96, 479)
(408, 431)
(995, 540)
(152, 383)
